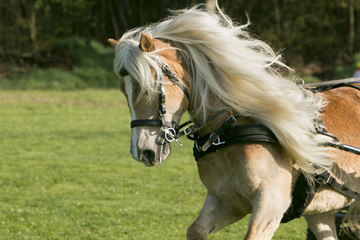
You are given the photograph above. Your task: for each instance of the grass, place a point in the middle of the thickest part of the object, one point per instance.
(66, 173)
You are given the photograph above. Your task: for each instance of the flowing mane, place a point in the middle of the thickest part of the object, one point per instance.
(243, 72)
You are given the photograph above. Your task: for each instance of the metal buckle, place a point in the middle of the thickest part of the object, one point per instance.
(162, 111)
(327, 176)
(217, 142)
(230, 120)
(188, 130)
(170, 136)
(165, 67)
(299, 81)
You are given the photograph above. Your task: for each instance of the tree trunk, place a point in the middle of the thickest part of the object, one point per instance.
(124, 23)
(352, 26)
(32, 27)
(113, 20)
(277, 16)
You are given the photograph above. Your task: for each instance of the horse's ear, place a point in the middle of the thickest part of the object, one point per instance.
(112, 42)
(146, 44)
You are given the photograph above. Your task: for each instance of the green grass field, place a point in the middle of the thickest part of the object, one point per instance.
(66, 173)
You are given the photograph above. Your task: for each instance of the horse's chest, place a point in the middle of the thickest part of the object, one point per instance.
(227, 182)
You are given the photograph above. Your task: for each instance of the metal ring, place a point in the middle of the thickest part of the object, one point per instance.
(170, 134)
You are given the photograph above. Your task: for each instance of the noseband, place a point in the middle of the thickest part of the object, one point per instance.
(170, 129)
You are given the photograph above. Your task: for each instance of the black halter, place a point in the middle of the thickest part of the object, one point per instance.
(172, 128)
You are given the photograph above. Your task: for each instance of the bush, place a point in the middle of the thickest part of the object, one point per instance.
(89, 66)
(43, 79)
(342, 72)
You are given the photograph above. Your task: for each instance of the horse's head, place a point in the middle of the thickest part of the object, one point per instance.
(152, 79)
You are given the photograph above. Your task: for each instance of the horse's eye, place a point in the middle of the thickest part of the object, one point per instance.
(123, 72)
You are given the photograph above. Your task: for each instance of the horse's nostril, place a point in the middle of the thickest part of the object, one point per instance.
(148, 156)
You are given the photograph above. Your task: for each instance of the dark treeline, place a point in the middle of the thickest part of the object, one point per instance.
(324, 33)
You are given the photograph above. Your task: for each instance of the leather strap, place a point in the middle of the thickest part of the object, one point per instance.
(146, 122)
(172, 76)
(332, 182)
(302, 196)
(245, 133)
(331, 85)
(220, 131)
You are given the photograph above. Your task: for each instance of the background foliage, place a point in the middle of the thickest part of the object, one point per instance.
(65, 165)
(316, 37)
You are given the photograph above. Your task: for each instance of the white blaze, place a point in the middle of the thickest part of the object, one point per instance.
(134, 134)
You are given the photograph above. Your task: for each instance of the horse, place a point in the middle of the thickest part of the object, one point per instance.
(201, 62)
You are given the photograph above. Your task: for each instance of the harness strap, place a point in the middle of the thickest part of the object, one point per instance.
(332, 182)
(172, 76)
(215, 135)
(193, 129)
(326, 175)
(302, 196)
(244, 133)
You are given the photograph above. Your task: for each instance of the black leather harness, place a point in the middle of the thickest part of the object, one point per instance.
(244, 133)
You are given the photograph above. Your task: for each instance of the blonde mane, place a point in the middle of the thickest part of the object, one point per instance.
(245, 73)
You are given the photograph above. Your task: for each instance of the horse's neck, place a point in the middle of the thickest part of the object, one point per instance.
(216, 117)
(215, 123)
